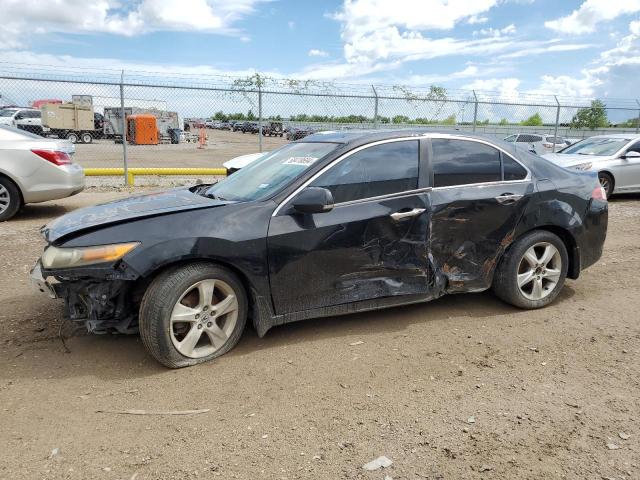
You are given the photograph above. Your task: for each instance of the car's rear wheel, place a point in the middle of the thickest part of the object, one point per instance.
(10, 199)
(533, 270)
(606, 182)
(191, 314)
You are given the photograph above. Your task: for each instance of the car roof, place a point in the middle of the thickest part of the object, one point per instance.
(630, 136)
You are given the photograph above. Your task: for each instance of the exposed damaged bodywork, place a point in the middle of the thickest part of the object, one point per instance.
(410, 246)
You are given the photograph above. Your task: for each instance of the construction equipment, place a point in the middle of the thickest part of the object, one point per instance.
(113, 120)
(142, 129)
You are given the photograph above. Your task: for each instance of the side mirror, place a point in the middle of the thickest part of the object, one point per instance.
(631, 154)
(18, 117)
(313, 200)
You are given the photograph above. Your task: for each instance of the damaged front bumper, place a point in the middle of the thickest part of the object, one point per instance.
(102, 305)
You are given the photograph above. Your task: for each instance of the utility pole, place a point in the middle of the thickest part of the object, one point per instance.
(375, 107)
(555, 132)
(475, 111)
(124, 130)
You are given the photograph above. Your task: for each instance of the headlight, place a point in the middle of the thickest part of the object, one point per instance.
(583, 166)
(55, 257)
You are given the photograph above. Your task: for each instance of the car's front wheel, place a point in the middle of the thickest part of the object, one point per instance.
(533, 270)
(606, 182)
(192, 313)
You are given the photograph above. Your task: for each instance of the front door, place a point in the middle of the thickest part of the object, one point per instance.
(372, 244)
(627, 171)
(479, 196)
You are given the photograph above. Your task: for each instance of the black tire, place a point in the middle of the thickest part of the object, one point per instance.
(162, 295)
(86, 137)
(73, 137)
(606, 180)
(505, 281)
(10, 199)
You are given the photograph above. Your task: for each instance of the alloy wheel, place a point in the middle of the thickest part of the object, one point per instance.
(5, 199)
(539, 271)
(605, 184)
(204, 318)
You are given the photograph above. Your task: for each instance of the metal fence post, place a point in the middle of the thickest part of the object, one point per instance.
(259, 112)
(555, 131)
(124, 130)
(375, 107)
(638, 122)
(475, 111)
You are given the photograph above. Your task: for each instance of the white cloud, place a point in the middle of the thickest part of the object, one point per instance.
(506, 87)
(22, 18)
(314, 52)
(496, 32)
(291, 24)
(476, 19)
(552, 47)
(590, 13)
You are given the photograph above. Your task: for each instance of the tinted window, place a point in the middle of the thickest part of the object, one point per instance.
(556, 140)
(378, 170)
(529, 138)
(510, 138)
(512, 169)
(634, 148)
(460, 162)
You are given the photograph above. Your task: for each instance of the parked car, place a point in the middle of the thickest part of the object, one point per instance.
(338, 223)
(236, 126)
(35, 169)
(249, 127)
(615, 158)
(242, 161)
(539, 144)
(296, 133)
(225, 126)
(28, 119)
(273, 129)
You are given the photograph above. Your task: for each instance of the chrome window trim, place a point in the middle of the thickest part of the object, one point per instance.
(430, 135)
(337, 161)
(405, 193)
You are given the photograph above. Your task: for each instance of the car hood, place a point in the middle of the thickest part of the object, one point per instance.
(571, 159)
(127, 209)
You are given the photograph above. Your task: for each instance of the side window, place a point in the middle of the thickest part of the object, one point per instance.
(378, 170)
(512, 169)
(634, 148)
(461, 162)
(510, 138)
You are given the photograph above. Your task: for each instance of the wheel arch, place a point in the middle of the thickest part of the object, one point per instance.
(143, 282)
(613, 178)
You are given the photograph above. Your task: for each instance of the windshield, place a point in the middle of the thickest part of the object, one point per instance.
(7, 112)
(265, 176)
(599, 146)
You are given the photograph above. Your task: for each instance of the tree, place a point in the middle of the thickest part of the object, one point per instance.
(400, 119)
(534, 120)
(504, 121)
(592, 117)
(450, 120)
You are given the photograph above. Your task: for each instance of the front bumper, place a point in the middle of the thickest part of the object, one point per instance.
(39, 283)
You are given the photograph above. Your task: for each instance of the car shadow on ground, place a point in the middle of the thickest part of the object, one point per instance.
(621, 197)
(120, 357)
(38, 211)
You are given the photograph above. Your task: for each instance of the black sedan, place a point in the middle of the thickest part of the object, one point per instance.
(334, 224)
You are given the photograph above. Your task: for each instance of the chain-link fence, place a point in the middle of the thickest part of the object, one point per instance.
(189, 121)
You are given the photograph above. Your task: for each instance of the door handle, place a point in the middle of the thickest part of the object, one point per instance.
(508, 198)
(411, 213)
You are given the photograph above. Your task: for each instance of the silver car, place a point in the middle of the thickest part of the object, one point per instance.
(616, 158)
(35, 169)
(537, 143)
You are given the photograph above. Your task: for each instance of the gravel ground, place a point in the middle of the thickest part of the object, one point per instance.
(463, 387)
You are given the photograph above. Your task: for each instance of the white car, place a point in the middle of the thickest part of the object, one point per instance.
(242, 161)
(35, 169)
(616, 158)
(29, 119)
(538, 144)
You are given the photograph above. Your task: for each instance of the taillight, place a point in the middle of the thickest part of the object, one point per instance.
(599, 193)
(55, 157)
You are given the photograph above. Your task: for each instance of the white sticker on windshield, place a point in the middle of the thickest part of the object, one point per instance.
(304, 161)
(263, 185)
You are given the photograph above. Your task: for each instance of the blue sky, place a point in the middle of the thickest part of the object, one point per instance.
(579, 48)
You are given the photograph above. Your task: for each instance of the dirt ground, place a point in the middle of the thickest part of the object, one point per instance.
(221, 146)
(465, 387)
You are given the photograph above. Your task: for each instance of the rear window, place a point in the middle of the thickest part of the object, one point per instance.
(527, 138)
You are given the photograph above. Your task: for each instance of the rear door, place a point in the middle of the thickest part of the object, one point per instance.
(628, 171)
(479, 195)
(372, 244)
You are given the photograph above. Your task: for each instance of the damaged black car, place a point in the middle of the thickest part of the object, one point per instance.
(336, 223)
